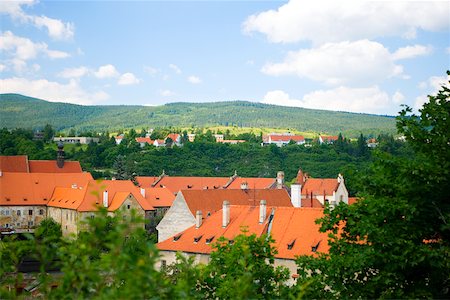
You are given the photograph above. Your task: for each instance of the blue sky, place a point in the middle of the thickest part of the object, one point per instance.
(359, 56)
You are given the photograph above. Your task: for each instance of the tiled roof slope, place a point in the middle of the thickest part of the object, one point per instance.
(291, 226)
(89, 196)
(36, 188)
(177, 183)
(319, 186)
(253, 183)
(159, 197)
(144, 140)
(210, 201)
(17, 163)
(50, 166)
(286, 138)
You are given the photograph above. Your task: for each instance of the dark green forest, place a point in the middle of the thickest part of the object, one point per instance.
(17, 111)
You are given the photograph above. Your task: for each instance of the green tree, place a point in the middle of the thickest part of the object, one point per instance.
(48, 132)
(394, 242)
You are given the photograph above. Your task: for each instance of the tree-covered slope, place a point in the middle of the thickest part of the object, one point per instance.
(21, 111)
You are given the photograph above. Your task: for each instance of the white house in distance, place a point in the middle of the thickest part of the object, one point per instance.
(282, 139)
(119, 138)
(76, 139)
(327, 139)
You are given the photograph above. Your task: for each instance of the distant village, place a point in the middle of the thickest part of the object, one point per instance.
(188, 213)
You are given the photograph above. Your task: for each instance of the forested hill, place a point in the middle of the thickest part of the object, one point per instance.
(26, 112)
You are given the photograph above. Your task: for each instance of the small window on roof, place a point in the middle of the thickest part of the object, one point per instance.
(198, 238)
(209, 240)
(189, 186)
(157, 198)
(314, 248)
(177, 237)
(208, 214)
(25, 199)
(291, 244)
(8, 199)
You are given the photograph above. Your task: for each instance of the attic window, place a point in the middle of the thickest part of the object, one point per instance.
(45, 199)
(189, 186)
(7, 199)
(197, 238)
(25, 199)
(208, 214)
(209, 240)
(291, 244)
(73, 202)
(177, 237)
(157, 198)
(314, 248)
(161, 185)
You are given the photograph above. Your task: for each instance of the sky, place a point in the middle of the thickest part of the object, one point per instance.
(358, 56)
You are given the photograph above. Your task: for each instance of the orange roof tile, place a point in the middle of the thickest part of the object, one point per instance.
(145, 181)
(159, 197)
(50, 166)
(253, 183)
(320, 186)
(36, 188)
(352, 200)
(307, 202)
(293, 229)
(210, 201)
(177, 183)
(89, 196)
(286, 138)
(173, 136)
(17, 163)
(144, 140)
(329, 137)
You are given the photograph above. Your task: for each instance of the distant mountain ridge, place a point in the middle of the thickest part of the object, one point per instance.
(27, 112)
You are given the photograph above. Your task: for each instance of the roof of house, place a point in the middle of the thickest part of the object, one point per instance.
(286, 138)
(253, 183)
(308, 202)
(35, 188)
(210, 201)
(159, 197)
(160, 142)
(173, 136)
(144, 140)
(293, 229)
(89, 196)
(119, 137)
(329, 137)
(352, 200)
(50, 166)
(320, 186)
(17, 163)
(177, 183)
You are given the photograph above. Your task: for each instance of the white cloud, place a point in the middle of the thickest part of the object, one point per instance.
(71, 92)
(2, 67)
(175, 68)
(398, 97)
(166, 93)
(74, 72)
(431, 86)
(128, 79)
(362, 61)
(411, 52)
(360, 100)
(106, 71)
(150, 70)
(56, 29)
(194, 79)
(333, 21)
(24, 49)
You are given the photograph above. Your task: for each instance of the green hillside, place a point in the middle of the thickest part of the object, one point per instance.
(21, 111)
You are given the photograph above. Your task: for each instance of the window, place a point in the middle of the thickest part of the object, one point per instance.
(67, 215)
(18, 212)
(30, 212)
(92, 216)
(128, 206)
(41, 212)
(163, 264)
(17, 224)
(6, 225)
(7, 212)
(30, 223)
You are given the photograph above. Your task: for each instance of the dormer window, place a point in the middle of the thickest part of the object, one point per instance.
(314, 248)
(197, 238)
(177, 237)
(209, 240)
(291, 244)
(189, 186)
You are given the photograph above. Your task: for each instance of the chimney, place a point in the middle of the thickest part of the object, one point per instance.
(74, 185)
(1, 174)
(280, 179)
(143, 192)
(244, 186)
(105, 198)
(198, 219)
(262, 211)
(225, 213)
(296, 195)
(60, 155)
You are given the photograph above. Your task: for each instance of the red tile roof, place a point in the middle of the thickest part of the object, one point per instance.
(329, 137)
(311, 203)
(295, 227)
(253, 183)
(144, 140)
(352, 200)
(89, 196)
(177, 183)
(320, 186)
(36, 188)
(145, 181)
(173, 136)
(50, 166)
(17, 163)
(159, 197)
(210, 201)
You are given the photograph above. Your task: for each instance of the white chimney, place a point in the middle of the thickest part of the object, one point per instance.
(225, 213)
(1, 174)
(296, 195)
(105, 198)
(143, 192)
(340, 178)
(280, 179)
(262, 211)
(244, 186)
(74, 185)
(198, 219)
